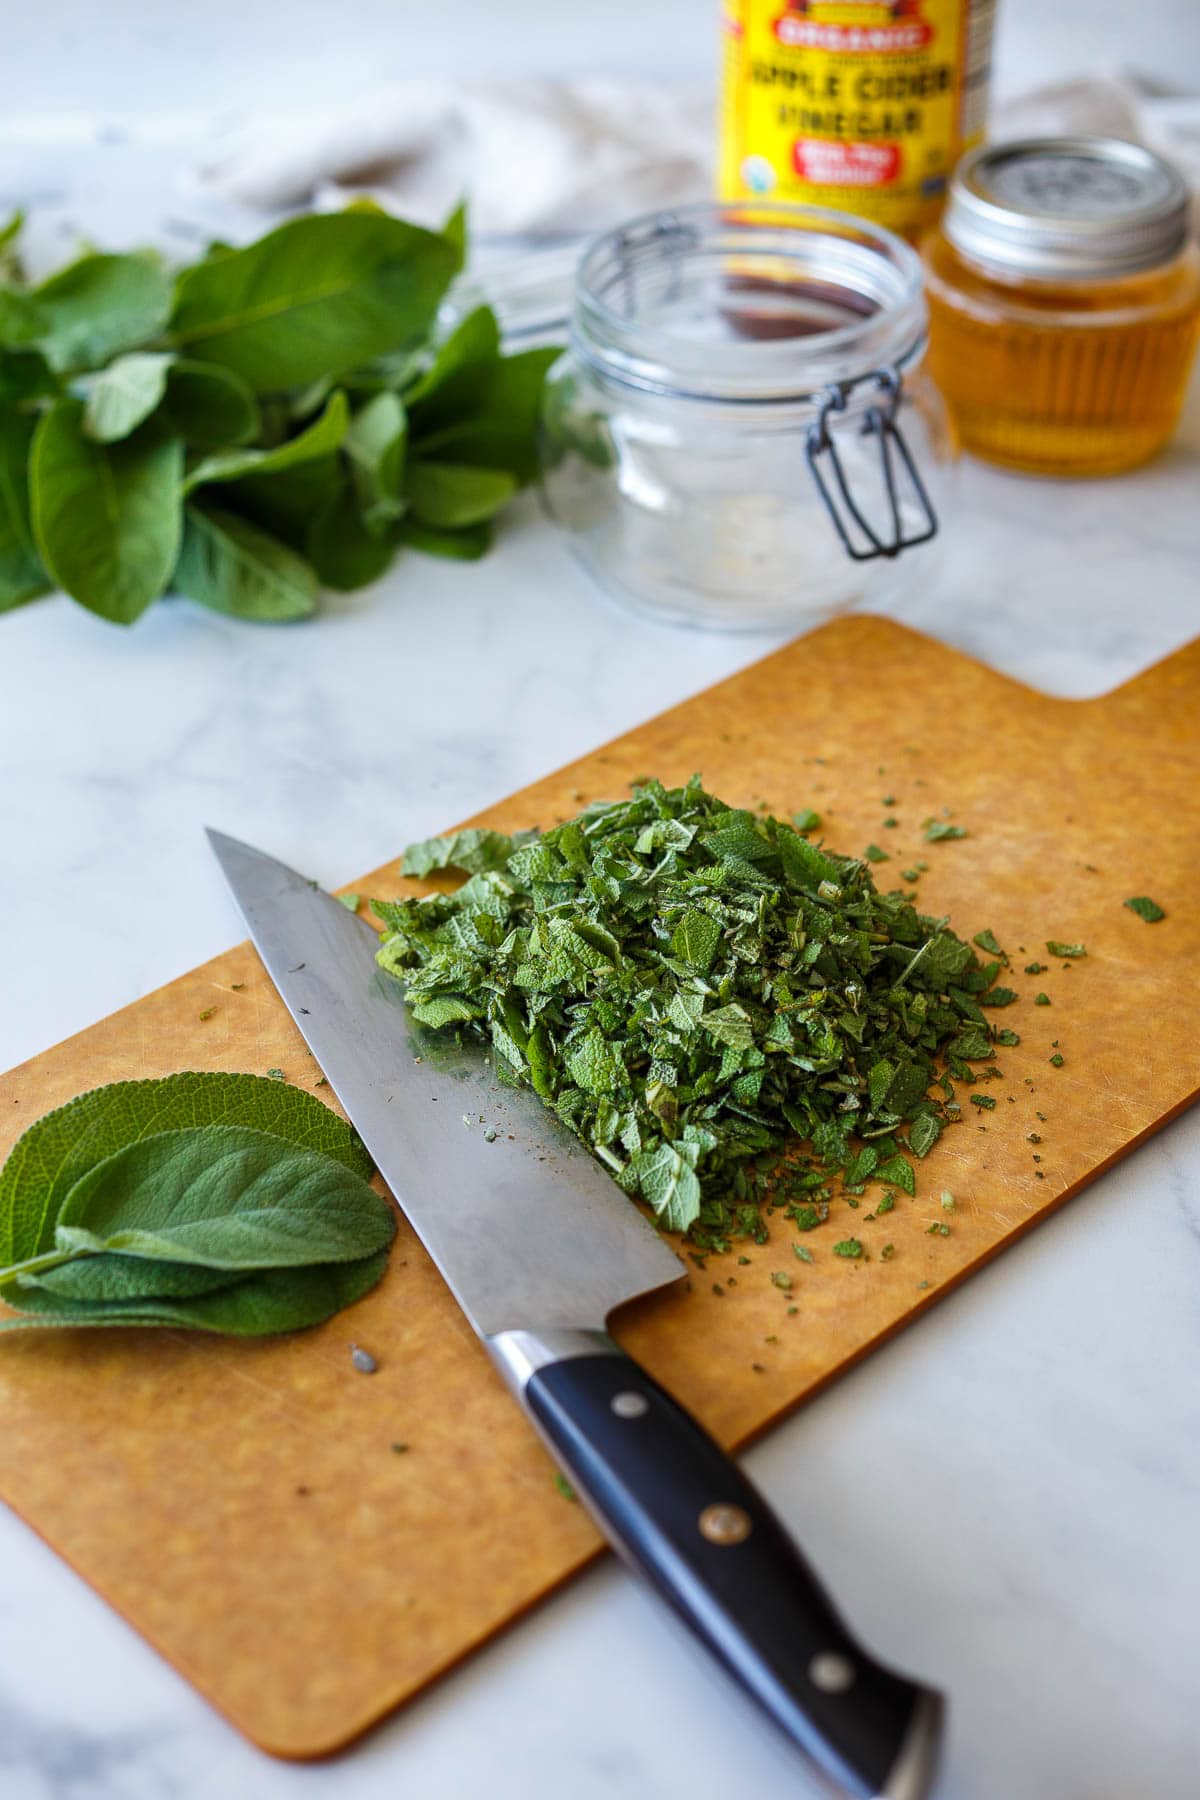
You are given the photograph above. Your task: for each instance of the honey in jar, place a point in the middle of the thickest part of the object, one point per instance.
(1064, 301)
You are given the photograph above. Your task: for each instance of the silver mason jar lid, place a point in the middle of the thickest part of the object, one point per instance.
(1067, 208)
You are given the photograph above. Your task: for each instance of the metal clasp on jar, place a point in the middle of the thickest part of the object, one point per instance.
(879, 421)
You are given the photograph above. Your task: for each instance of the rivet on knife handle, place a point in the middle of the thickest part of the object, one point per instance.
(682, 1514)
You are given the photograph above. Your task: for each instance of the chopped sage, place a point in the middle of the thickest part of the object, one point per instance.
(729, 1015)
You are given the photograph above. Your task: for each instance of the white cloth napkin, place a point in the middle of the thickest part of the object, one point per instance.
(529, 156)
(550, 157)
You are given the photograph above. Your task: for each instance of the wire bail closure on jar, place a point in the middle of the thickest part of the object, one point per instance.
(880, 422)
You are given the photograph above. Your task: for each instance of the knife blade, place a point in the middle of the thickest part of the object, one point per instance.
(539, 1245)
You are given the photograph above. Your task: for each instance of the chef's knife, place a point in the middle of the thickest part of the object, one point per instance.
(538, 1245)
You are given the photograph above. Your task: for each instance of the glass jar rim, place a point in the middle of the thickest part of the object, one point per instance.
(815, 245)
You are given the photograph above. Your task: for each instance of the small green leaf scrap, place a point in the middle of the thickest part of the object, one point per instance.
(1145, 908)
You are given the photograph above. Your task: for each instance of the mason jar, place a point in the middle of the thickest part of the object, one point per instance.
(742, 432)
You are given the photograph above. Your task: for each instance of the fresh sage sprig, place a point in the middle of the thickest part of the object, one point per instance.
(266, 422)
(228, 1203)
(701, 993)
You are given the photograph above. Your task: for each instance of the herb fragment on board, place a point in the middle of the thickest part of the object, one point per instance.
(849, 1247)
(986, 940)
(937, 831)
(218, 1202)
(564, 1487)
(1059, 949)
(728, 1014)
(1145, 908)
(1057, 1059)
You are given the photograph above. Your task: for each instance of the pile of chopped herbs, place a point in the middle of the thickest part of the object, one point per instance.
(697, 990)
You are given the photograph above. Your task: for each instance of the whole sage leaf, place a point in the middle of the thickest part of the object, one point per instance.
(286, 502)
(324, 435)
(450, 495)
(472, 345)
(26, 375)
(314, 297)
(375, 445)
(125, 394)
(234, 567)
(116, 1277)
(254, 1306)
(467, 545)
(99, 306)
(209, 407)
(490, 420)
(343, 552)
(228, 1197)
(22, 576)
(106, 518)
(55, 1152)
(22, 321)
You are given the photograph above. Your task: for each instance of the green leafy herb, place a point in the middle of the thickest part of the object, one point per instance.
(874, 854)
(316, 297)
(726, 1013)
(848, 1247)
(1041, 999)
(226, 1202)
(806, 820)
(252, 1306)
(1057, 1059)
(106, 517)
(985, 1101)
(232, 566)
(1145, 908)
(937, 831)
(1057, 949)
(297, 390)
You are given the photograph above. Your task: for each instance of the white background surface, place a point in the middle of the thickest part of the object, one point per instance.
(1005, 1498)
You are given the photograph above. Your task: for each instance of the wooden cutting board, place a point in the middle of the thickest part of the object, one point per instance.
(245, 1505)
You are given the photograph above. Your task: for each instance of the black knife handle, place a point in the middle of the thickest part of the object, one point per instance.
(684, 1516)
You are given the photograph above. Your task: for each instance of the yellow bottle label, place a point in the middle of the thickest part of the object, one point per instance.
(857, 104)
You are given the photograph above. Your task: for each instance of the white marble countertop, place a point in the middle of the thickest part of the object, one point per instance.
(1004, 1499)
